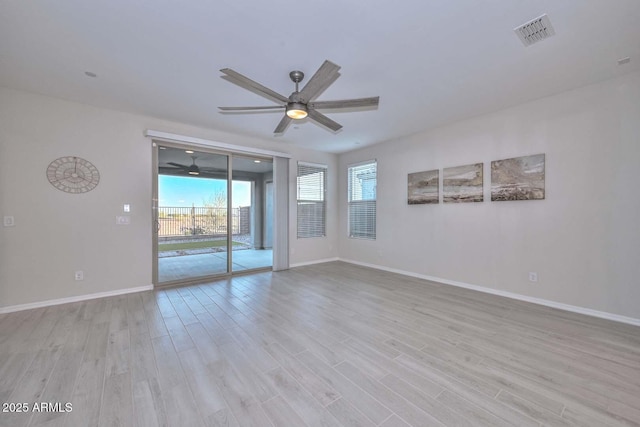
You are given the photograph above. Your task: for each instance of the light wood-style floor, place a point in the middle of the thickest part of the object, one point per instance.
(326, 345)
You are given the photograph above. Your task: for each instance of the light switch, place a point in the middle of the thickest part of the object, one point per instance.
(126, 208)
(8, 221)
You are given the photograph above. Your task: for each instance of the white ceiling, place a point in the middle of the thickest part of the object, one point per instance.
(431, 62)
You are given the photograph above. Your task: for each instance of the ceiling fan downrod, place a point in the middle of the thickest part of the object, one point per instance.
(296, 76)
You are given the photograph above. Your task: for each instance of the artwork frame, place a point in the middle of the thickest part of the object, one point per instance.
(463, 184)
(423, 187)
(518, 178)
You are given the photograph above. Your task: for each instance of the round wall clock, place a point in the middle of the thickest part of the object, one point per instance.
(73, 175)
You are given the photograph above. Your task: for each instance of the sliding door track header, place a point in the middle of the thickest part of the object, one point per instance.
(172, 137)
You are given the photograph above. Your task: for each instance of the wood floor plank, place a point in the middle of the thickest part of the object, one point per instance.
(118, 353)
(319, 389)
(471, 411)
(118, 320)
(353, 393)
(96, 345)
(117, 401)
(142, 361)
(41, 331)
(136, 315)
(203, 342)
(394, 421)
(248, 371)
(31, 385)
(170, 372)
(193, 364)
(207, 395)
(146, 413)
(12, 367)
(155, 322)
(222, 418)
(398, 404)
(347, 415)
(431, 406)
(468, 392)
(87, 393)
(281, 414)
(181, 407)
(256, 349)
(178, 333)
(367, 362)
(531, 409)
(60, 385)
(182, 309)
(165, 306)
(624, 411)
(300, 400)
(244, 406)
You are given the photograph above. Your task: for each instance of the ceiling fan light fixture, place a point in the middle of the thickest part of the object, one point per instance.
(296, 110)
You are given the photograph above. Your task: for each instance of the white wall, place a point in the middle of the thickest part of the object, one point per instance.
(58, 233)
(583, 240)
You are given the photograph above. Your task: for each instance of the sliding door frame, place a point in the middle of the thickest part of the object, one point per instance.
(155, 216)
(229, 153)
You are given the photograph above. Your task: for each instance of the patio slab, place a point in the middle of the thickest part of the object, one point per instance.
(209, 264)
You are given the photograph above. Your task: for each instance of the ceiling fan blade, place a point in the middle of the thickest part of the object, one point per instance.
(346, 103)
(326, 74)
(324, 87)
(324, 120)
(273, 107)
(282, 126)
(178, 165)
(255, 87)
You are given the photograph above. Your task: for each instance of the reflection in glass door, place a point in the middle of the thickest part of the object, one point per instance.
(192, 215)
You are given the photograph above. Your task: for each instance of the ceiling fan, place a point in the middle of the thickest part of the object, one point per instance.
(299, 104)
(192, 169)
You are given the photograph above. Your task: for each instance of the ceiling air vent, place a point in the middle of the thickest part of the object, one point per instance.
(535, 30)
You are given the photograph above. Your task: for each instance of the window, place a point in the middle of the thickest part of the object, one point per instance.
(362, 200)
(312, 184)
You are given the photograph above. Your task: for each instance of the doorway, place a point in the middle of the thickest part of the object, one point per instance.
(209, 214)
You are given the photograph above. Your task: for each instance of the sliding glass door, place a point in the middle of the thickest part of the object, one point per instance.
(205, 223)
(251, 179)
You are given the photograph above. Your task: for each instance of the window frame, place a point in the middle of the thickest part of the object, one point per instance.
(367, 205)
(312, 228)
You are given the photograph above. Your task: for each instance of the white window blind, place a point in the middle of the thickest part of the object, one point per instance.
(312, 209)
(362, 200)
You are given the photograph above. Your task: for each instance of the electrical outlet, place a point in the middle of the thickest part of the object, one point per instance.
(123, 220)
(8, 221)
(126, 208)
(533, 276)
(79, 275)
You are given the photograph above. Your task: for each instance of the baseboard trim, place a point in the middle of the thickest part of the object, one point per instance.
(47, 303)
(512, 295)
(317, 261)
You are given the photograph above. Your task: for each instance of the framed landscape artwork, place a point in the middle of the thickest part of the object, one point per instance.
(462, 184)
(520, 178)
(423, 187)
